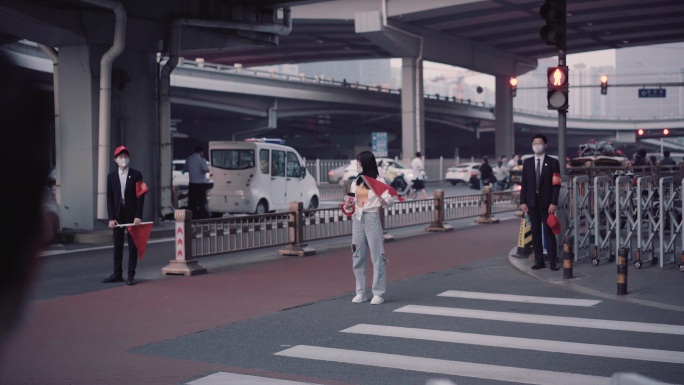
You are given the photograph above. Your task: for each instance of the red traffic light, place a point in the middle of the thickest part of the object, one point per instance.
(641, 132)
(514, 86)
(666, 131)
(557, 77)
(604, 84)
(557, 88)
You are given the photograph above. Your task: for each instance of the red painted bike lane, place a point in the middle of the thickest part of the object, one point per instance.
(86, 338)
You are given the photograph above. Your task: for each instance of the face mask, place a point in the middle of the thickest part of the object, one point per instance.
(538, 148)
(359, 169)
(122, 161)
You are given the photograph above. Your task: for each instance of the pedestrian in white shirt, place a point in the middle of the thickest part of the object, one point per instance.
(419, 174)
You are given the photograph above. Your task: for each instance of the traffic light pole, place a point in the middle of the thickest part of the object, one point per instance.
(562, 120)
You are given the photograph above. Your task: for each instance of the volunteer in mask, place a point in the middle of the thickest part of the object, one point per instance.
(541, 182)
(124, 206)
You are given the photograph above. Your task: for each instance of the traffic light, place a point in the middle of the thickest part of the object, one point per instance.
(557, 88)
(514, 86)
(553, 32)
(658, 133)
(604, 85)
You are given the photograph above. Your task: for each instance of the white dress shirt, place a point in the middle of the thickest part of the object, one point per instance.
(123, 175)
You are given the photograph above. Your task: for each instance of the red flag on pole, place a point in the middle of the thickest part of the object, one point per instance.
(140, 235)
(379, 188)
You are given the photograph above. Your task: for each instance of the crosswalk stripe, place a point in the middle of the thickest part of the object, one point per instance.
(590, 323)
(438, 366)
(609, 351)
(223, 378)
(519, 298)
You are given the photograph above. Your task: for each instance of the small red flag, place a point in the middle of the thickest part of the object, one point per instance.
(140, 188)
(379, 188)
(140, 235)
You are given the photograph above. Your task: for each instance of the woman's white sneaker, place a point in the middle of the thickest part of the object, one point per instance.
(377, 300)
(359, 298)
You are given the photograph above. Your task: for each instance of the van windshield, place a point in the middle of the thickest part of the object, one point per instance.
(232, 159)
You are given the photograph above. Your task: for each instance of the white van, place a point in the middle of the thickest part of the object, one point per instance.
(258, 176)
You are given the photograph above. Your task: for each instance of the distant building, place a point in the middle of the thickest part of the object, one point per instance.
(652, 64)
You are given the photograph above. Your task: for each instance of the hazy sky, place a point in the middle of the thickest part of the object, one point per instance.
(434, 70)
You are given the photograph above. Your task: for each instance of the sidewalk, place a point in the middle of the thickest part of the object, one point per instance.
(649, 286)
(89, 338)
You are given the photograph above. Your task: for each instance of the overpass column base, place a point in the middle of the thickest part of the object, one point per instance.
(298, 250)
(486, 220)
(186, 268)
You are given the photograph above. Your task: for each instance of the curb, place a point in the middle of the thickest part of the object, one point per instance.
(519, 264)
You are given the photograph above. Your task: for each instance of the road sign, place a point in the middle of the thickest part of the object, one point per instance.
(379, 141)
(652, 92)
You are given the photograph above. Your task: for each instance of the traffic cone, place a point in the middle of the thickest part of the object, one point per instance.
(524, 238)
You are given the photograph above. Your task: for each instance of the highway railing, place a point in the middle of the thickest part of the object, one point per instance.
(296, 227)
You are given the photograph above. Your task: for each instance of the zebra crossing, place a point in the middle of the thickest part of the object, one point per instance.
(481, 371)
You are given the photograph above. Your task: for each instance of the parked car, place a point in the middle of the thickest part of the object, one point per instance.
(335, 175)
(398, 176)
(462, 172)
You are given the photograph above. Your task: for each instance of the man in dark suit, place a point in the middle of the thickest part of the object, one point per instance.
(123, 207)
(541, 182)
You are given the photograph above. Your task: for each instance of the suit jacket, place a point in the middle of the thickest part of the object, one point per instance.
(134, 205)
(548, 192)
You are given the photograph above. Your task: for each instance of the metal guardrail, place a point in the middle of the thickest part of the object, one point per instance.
(294, 228)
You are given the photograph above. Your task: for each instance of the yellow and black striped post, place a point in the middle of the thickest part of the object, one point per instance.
(622, 265)
(524, 238)
(568, 256)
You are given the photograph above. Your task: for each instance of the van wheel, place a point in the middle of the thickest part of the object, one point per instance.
(313, 204)
(262, 207)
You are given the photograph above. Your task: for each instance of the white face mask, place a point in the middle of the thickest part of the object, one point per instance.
(123, 161)
(538, 148)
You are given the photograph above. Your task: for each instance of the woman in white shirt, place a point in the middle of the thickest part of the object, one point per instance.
(367, 230)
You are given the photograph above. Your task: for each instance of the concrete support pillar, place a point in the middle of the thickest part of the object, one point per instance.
(134, 117)
(412, 109)
(503, 115)
(135, 120)
(78, 110)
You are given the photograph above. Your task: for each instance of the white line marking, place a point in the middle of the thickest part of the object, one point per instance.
(609, 351)
(223, 378)
(437, 366)
(519, 298)
(641, 327)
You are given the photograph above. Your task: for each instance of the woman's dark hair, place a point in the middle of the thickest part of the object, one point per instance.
(370, 168)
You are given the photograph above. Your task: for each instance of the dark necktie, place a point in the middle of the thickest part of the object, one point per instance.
(538, 174)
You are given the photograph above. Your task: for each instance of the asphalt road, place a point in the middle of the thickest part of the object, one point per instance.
(336, 341)
(290, 321)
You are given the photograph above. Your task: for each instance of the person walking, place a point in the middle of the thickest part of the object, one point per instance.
(124, 206)
(667, 163)
(196, 167)
(367, 229)
(486, 172)
(419, 176)
(541, 182)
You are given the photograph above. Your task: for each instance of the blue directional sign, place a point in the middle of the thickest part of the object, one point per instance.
(379, 142)
(652, 93)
